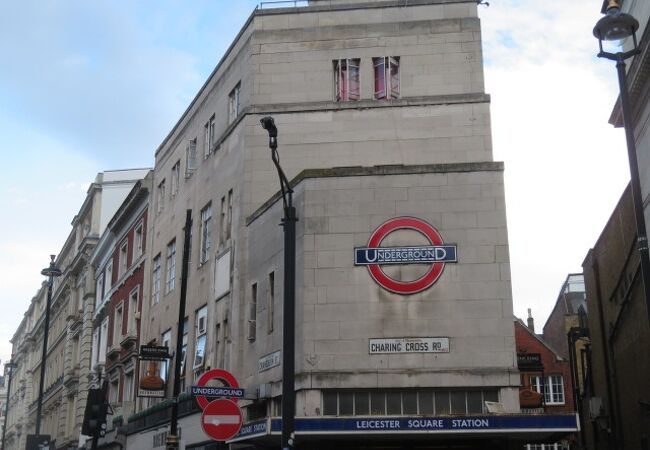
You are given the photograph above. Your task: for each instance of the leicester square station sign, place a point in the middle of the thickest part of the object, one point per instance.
(436, 255)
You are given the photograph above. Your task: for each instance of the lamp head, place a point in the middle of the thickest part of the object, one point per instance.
(52, 270)
(615, 25)
(269, 125)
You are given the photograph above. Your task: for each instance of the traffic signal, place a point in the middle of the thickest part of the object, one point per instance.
(94, 423)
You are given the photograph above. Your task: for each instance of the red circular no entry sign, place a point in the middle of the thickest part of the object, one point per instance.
(221, 419)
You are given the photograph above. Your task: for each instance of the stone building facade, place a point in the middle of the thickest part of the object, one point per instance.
(382, 115)
(67, 372)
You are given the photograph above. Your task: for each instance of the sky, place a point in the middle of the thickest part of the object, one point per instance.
(92, 86)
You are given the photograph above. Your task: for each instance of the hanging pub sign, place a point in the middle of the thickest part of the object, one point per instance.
(154, 370)
(435, 255)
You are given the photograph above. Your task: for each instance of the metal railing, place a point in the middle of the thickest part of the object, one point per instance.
(282, 4)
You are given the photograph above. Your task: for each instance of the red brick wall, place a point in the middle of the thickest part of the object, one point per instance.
(526, 342)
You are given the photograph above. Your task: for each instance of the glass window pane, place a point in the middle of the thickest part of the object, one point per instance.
(490, 396)
(442, 402)
(377, 403)
(425, 399)
(458, 402)
(394, 403)
(410, 402)
(361, 404)
(474, 404)
(329, 403)
(345, 404)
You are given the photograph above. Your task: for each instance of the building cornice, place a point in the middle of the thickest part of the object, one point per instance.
(359, 171)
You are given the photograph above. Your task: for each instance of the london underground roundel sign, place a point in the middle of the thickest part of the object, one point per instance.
(436, 255)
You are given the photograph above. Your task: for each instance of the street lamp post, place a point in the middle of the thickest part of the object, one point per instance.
(8, 366)
(289, 303)
(50, 272)
(613, 27)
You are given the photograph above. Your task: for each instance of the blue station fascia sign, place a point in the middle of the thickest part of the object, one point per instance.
(410, 425)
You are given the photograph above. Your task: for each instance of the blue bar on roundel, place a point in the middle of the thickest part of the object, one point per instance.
(364, 256)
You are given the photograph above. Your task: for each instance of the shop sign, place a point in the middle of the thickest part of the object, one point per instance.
(435, 255)
(409, 345)
(150, 352)
(154, 369)
(269, 361)
(529, 361)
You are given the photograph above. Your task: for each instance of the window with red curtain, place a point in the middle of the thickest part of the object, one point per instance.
(346, 78)
(386, 70)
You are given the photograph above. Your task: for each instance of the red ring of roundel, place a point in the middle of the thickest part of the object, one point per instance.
(405, 287)
(218, 374)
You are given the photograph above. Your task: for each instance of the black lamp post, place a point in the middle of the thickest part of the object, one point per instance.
(613, 27)
(289, 304)
(50, 272)
(9, 366)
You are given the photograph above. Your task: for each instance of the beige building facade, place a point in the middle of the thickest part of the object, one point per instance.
(67, 369)
(382, 114)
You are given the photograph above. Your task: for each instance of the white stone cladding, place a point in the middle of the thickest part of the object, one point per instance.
(340, 307)
(427, 153)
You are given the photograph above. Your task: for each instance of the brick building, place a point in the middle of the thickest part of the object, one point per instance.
(544, 371)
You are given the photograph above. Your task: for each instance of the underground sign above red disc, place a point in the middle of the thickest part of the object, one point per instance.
(436, 255)
(221, 418)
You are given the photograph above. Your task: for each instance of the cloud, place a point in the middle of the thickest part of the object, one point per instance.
(101, 76)
(565, 165)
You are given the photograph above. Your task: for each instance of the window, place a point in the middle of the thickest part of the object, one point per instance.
(252, 313)
(186, 324)
(117, 323)
(160, 192)
(113, 391)
(155, 277)
(206, 228)
(166, 340)
(171, 266)
(222, 221)
(190, 158)
(127, 393)
(99, 290)
(201, 337)
(108, 279)
(346, 79)
(103, 335)
(176, 174)
(386, 71)
(222, 275)
(552, 386)
(407, 402)
(233, 103)
(229, 216)
(209, 137)
(225, 218)
(124, 263)
(132, 312)
(271, 301)
(138, 241)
